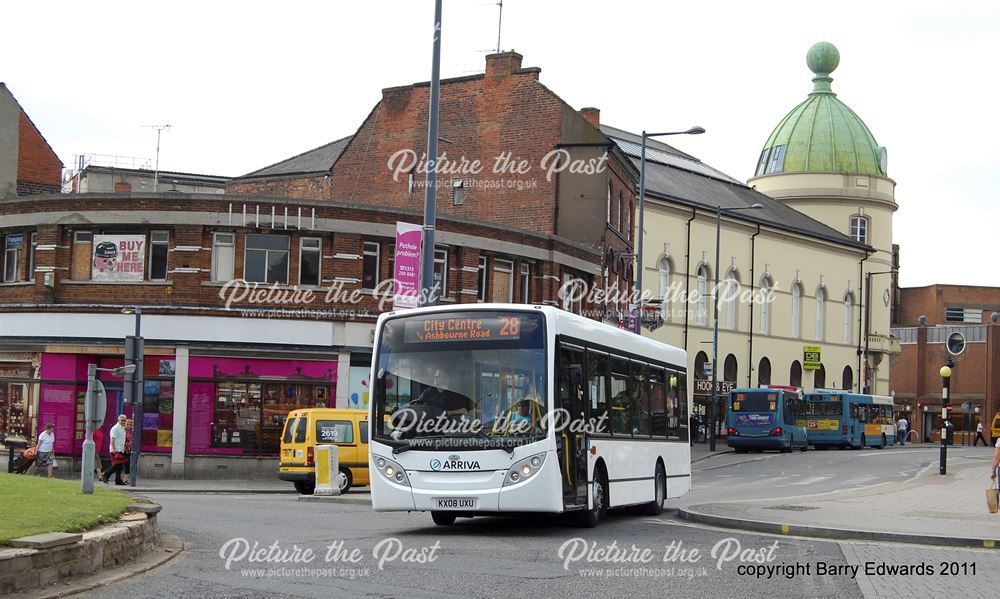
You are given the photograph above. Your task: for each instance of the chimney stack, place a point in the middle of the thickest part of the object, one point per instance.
(502, 65)
(593, 116)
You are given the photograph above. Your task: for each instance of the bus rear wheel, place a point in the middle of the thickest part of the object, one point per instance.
(443, 518)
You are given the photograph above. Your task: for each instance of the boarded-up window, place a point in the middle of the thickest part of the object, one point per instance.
(79, 268)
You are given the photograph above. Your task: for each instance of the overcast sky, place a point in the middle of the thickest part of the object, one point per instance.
(247, 84)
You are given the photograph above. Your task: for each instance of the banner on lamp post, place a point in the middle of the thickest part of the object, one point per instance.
(406, 278)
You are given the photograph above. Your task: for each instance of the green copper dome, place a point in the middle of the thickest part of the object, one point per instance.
(822, 135)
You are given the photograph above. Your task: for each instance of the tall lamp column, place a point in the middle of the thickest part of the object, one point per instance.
(642, 205)
(712, 408)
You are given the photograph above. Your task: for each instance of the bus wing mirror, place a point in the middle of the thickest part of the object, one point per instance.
(575, 374)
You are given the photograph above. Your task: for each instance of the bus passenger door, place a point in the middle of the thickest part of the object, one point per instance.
(571, 446)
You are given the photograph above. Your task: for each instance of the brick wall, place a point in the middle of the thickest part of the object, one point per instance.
(314, 187)
(38, 168)
(183, 291)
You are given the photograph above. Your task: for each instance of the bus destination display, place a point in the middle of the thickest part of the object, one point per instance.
(426, 330)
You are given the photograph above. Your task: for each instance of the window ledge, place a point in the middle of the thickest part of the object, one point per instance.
(17, 284)
(126, 283)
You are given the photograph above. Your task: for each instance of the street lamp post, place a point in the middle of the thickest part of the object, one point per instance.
(715, 321)
(642, 204)
(134, 384)
(945, 386)
(428, 293)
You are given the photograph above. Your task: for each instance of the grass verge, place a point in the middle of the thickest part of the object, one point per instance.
(34, 505)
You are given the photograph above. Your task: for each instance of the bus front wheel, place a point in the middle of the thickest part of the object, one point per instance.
(599, 499)
(655, 507)
(443, 518)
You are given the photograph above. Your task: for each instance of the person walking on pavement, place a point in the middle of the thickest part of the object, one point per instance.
(117, 447)
(979, 435)
(902, 427)
(996, 461)
(46, 449)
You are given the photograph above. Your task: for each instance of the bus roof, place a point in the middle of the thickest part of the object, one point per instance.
(573, 325)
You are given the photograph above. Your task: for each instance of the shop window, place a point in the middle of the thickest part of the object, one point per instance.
(31, 256)
(525, 283)
(369, 266)
(223, 256)
(158, 251)
(13, 253)
(441, 272)
(266, 259)
(310, 257)
(481, 280)
(503, 281)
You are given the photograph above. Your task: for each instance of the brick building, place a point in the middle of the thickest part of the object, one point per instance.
(925, 319)
(263, 299)
(27, 164)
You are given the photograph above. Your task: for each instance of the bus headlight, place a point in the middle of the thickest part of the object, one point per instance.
(391, 470)
(524, 469)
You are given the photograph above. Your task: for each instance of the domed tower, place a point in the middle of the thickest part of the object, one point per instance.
(823, 161)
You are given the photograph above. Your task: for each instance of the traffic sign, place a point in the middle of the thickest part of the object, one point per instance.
(949, 407)
(96, 403)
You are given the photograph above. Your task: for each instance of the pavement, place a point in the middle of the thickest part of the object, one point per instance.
(929, 509)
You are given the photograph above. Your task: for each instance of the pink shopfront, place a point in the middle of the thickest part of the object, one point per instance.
(235, 406)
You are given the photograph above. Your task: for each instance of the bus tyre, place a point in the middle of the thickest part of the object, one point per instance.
(304, 487)
(599, 500)
(882, 446)
(655, 507)
(443, 518)
(345, 480)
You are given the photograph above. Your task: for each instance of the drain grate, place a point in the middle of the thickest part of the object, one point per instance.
(792, 508)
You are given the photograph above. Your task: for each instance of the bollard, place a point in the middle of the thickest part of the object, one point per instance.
(327, 471)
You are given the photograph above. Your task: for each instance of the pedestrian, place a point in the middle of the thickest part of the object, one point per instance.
(693, 428)
(117, 448)
(996, 461)
(902, 425)
(98, 444)
(979, 435)
(46, 449)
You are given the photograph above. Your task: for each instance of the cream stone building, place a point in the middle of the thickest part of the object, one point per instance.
(810, 266)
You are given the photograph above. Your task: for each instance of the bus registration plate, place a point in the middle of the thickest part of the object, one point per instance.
(456, 503)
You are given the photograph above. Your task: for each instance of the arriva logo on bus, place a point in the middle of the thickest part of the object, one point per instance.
(453, 463)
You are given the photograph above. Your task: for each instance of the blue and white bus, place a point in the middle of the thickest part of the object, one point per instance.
(488, 409)
(766, 418)
(845, 419)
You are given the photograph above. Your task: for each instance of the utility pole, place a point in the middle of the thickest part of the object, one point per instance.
(156, 168)
(428, 288)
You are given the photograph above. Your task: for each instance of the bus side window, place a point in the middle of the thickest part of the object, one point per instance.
(597, 389)
(619, 397)
(663, 416)
(639, 394)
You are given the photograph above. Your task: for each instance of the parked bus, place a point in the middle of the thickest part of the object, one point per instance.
(503, 409)
(766, 418)
(845, 419)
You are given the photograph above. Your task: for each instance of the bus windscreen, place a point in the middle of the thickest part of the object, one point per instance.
(755, 402)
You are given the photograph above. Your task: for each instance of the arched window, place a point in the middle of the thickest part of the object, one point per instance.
(610, 212)
(730, 294)
(766, 295)
(795, 374)
(820, 314)
(848, 317)
(859, 228)
(847, 379)
(699, 365)
(618, 212)
(664, 271)
(764, 372)
(796, 310)
(730, 369)
(819, 377)
(627, 219)
(701, 314)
